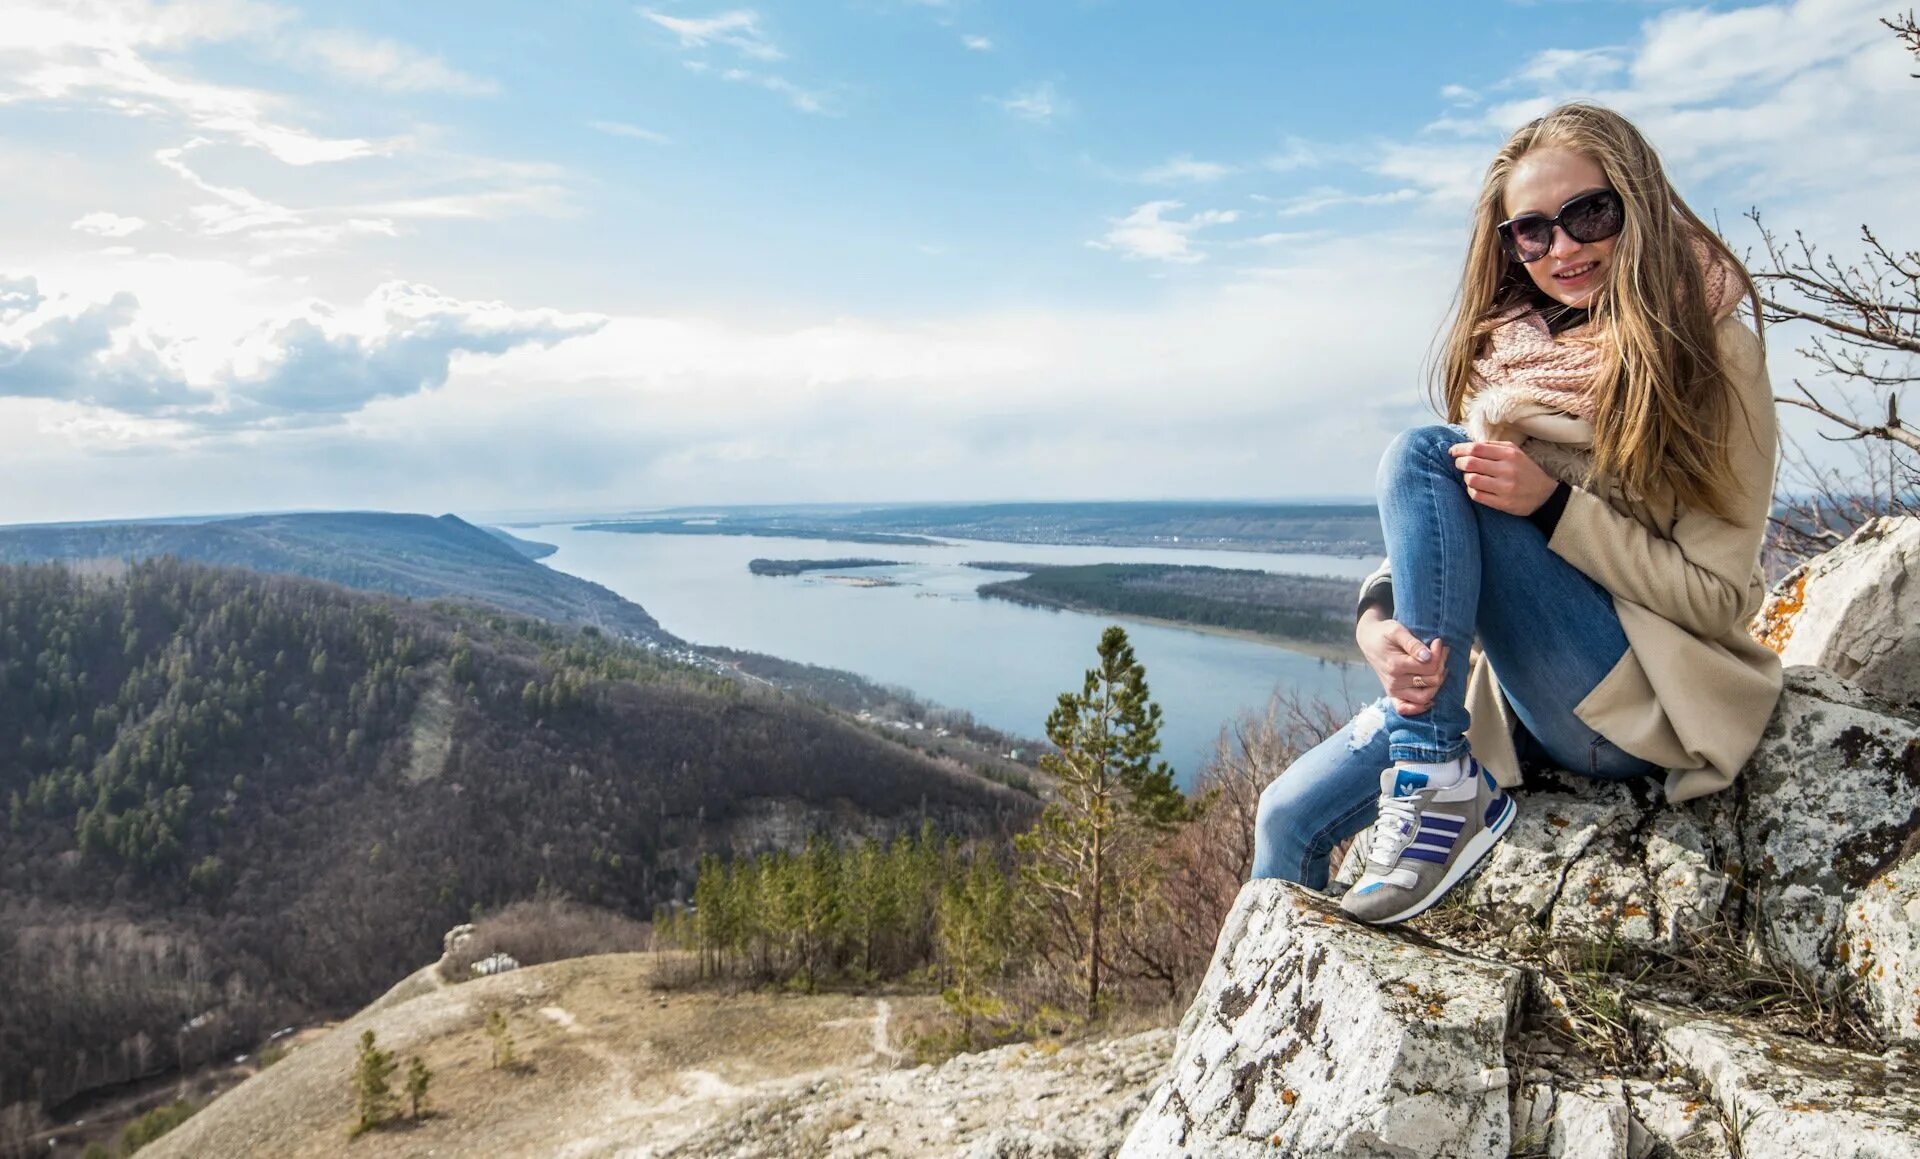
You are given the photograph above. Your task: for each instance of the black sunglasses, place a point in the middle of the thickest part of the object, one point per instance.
(1593, 216)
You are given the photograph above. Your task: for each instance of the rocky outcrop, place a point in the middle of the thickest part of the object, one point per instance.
(1608, 957)
(1313, 1035)
(1809, 858)
(1855, 611)
(1014, 1102)
(1786, 1096)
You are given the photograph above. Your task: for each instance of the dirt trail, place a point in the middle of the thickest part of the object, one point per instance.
(606, 1065)
(882, 1046)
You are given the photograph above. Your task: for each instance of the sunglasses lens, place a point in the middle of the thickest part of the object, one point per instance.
(1529, 238)
(1595, 217)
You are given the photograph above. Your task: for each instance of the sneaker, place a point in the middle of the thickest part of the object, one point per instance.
(1425, 842)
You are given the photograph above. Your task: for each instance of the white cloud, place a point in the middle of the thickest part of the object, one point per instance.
(388, 64)
(89, 353)
(1458, 95)
(1782, 97)
(313, 363)
(1148, 233)
(91, 52)
(1038, 103)
(1327, 197)
(1184, 169)
(1298, 154)
(738, 30)
(806, 100)
(1584, 68)
(403, 341)
(623, 129)
(237, 209)
(103, 224)
(977, 43)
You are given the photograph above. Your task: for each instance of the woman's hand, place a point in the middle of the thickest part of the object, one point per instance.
(1395, 654)
(1501, 476)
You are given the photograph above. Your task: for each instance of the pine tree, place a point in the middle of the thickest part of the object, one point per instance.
(373, 1093)
(502, 1039)
(974, 939)
(418, 1076)
(1112, 799)
(816, 908)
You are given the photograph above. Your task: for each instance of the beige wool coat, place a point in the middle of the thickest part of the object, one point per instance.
(1695, 689)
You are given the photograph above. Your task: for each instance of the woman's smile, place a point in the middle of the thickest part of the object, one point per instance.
(1574, 274)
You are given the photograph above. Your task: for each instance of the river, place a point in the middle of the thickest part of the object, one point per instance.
(1004, 663)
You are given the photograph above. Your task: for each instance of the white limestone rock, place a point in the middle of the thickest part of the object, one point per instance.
(1581, 1121)
(1675, 1119)
(1790, 1097)
(1830, 801)
(1855, 611)
(1557, 821)
(1593, 860)
(1685, 868)
(1314, 1035)
(1881, 948)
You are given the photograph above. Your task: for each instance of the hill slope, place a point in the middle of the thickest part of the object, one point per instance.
(404, 555)
(614, 1066)
(235, 801)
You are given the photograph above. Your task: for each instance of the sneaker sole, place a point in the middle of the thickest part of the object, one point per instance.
(1468, 861)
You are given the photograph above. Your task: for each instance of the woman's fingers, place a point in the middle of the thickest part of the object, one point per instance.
(1406, 641)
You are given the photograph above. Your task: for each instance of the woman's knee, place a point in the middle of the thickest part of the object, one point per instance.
(1283, 827)
(1419, 447)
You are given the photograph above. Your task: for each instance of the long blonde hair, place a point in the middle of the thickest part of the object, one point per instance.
(1663, 404)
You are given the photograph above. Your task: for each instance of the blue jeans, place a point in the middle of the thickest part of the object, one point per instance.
(1460, 569)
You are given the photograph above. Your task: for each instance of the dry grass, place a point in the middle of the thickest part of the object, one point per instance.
(609, 1062)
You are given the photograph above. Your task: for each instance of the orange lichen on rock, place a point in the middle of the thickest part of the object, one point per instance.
(1773, 624)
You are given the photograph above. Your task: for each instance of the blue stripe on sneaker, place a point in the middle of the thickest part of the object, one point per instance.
(1437, 837)
(1429, 820)
(1426, 855)
(1495, 807)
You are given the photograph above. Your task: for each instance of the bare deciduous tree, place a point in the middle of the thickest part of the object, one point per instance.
(1866, 334)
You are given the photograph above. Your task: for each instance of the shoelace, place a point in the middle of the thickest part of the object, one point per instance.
(1392, 831)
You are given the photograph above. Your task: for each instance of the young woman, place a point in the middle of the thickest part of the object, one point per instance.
(1592, 512)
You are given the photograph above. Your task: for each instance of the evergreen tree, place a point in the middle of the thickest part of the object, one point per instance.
(418, 1076)
(1112, 799)
(975, 936)
(502, 1039)
(817, 907)
(373, 1093)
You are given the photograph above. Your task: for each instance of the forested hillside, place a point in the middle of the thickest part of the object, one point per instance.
(1291, 609)
(401, 554)
(233, 801)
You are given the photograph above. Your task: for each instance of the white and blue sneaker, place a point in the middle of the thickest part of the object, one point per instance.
(1426, 841)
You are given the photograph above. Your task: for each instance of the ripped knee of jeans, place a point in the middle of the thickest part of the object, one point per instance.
(1370, 720)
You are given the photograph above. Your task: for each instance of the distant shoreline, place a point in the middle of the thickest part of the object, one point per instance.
(1316, 648)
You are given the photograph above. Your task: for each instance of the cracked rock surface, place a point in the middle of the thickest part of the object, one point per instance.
(1316, 1036)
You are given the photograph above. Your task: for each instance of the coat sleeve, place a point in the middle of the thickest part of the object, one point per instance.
(1698, 578)
(1376, 588)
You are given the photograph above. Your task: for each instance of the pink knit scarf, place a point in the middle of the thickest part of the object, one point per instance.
(1524, 369)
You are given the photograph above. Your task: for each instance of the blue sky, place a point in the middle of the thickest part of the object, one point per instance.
(486, 256)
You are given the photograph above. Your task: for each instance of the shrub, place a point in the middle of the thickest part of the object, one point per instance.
(548, 928)
(154, 1124)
